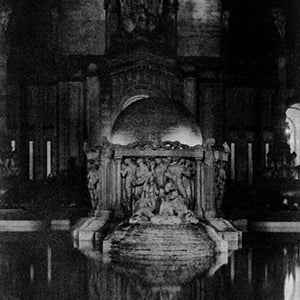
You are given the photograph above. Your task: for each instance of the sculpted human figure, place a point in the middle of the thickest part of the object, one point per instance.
(187, 180)
(175, 172)
(106, 149)
(174, 205)
(3, 169)
(11, 164)
(151, 191)
(209, 153)
(94, 182)
(146, 204)
(142, 175)
(159, 169)
(128, 172)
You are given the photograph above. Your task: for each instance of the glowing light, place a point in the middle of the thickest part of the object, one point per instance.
(181, 134)
(49, 159)
(292, 285)
(184, 136)
(30, 160)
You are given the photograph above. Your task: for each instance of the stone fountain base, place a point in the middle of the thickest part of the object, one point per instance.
(149, 242)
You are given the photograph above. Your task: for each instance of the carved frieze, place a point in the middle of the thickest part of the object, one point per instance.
(158, 186)
(156, 181)
(140, 20)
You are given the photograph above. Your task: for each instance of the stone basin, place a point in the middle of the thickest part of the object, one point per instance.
(150, 242)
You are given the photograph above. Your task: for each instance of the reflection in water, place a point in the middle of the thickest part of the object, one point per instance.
(249, 265)
(46, 266)
(31, 273)
(292, 279)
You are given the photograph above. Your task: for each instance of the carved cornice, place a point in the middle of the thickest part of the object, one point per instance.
(141, 57)
(155, 148)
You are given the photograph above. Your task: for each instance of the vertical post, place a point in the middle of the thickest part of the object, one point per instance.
(102, 197)
(31, 171)
(232, 161)
(250, 266)
(93, 113)
(49, 158)
(31, 272)
(13, 145)
(250, 164)
(49, 263)
(199, 189)
(232, 267)
(4, 19)
(267, 150)
(118, 183)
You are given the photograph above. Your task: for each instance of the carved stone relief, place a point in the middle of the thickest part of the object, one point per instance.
(156, 181)
(158, 186)
(140, 20)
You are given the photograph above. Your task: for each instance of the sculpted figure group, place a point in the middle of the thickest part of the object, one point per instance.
(159, 189)
(9, 166)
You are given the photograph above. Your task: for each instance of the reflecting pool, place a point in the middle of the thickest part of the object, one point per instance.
(47, 266)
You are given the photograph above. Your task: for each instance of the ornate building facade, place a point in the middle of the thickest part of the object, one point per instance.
(71, 69)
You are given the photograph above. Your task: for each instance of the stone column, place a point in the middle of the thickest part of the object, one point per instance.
(190, 94)
(118, 185)
(209, 207)
(93, 109)
(102, 203)
(210, 110)
(4, 18)
(199, 189)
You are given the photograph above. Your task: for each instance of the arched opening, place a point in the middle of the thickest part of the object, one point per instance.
(292, 130)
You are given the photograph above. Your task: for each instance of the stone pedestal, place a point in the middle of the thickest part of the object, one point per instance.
(227, 232)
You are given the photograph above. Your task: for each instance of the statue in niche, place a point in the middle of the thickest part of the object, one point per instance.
(93, 174)
(94, 182)
(140, 15)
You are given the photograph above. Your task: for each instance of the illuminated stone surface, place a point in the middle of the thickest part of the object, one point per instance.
(156, 118)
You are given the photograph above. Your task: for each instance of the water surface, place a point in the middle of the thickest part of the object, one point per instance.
(47, 266)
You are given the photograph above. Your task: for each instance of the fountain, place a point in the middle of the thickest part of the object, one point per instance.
(165, 196)
(156, 198)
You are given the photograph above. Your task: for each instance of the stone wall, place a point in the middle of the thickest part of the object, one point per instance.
(198, 28)
(82, 27)
(227, 100)
(42, 125)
